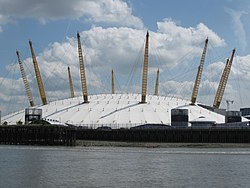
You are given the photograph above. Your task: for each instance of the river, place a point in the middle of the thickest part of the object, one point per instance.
(33, 166)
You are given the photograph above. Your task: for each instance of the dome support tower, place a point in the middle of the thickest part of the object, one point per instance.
(72, 94)
(113, 82)
(38, 76)
(223, 82)
(157, 82)
(216, 103)
(82, 70)
(25, 81)
(198, 76)
(145, 72)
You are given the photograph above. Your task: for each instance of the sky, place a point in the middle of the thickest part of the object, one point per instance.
(113, 37)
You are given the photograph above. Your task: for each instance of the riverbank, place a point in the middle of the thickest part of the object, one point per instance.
(95, 143)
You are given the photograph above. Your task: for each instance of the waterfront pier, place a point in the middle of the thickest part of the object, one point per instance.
(47, 135)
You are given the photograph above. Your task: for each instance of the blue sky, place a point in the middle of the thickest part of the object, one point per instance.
(113, 34)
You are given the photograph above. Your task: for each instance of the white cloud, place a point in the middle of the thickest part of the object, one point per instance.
(177, 89)
(114, 12)
(178, 40)
(111, 11)
(213, 71)
(241, 67)
(192, 35)
(12, 95)
(238, 26)
(3, 20)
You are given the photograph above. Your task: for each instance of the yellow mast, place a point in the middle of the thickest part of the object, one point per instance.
(113, 82)
(71, 84)
(38, 76)
(157, 82)
(145, 72)
(25, 81)
(198, 76)
(82, 70)
(218, 92)
(223, 82)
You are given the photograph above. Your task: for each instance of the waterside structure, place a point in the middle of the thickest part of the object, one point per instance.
(37, 134)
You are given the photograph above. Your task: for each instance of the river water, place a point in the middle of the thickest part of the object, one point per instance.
(32, 166)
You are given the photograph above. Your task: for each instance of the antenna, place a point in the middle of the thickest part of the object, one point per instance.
(228, 103)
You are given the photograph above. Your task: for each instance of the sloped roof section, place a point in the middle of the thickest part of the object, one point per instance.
(116, 111)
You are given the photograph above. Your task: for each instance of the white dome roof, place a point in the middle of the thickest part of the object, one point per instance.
(116, 111)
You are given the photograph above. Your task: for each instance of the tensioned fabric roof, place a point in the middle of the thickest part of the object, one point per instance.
(116, 111)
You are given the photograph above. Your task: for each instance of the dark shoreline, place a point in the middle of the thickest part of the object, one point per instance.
(150, 138)
(95, 143)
